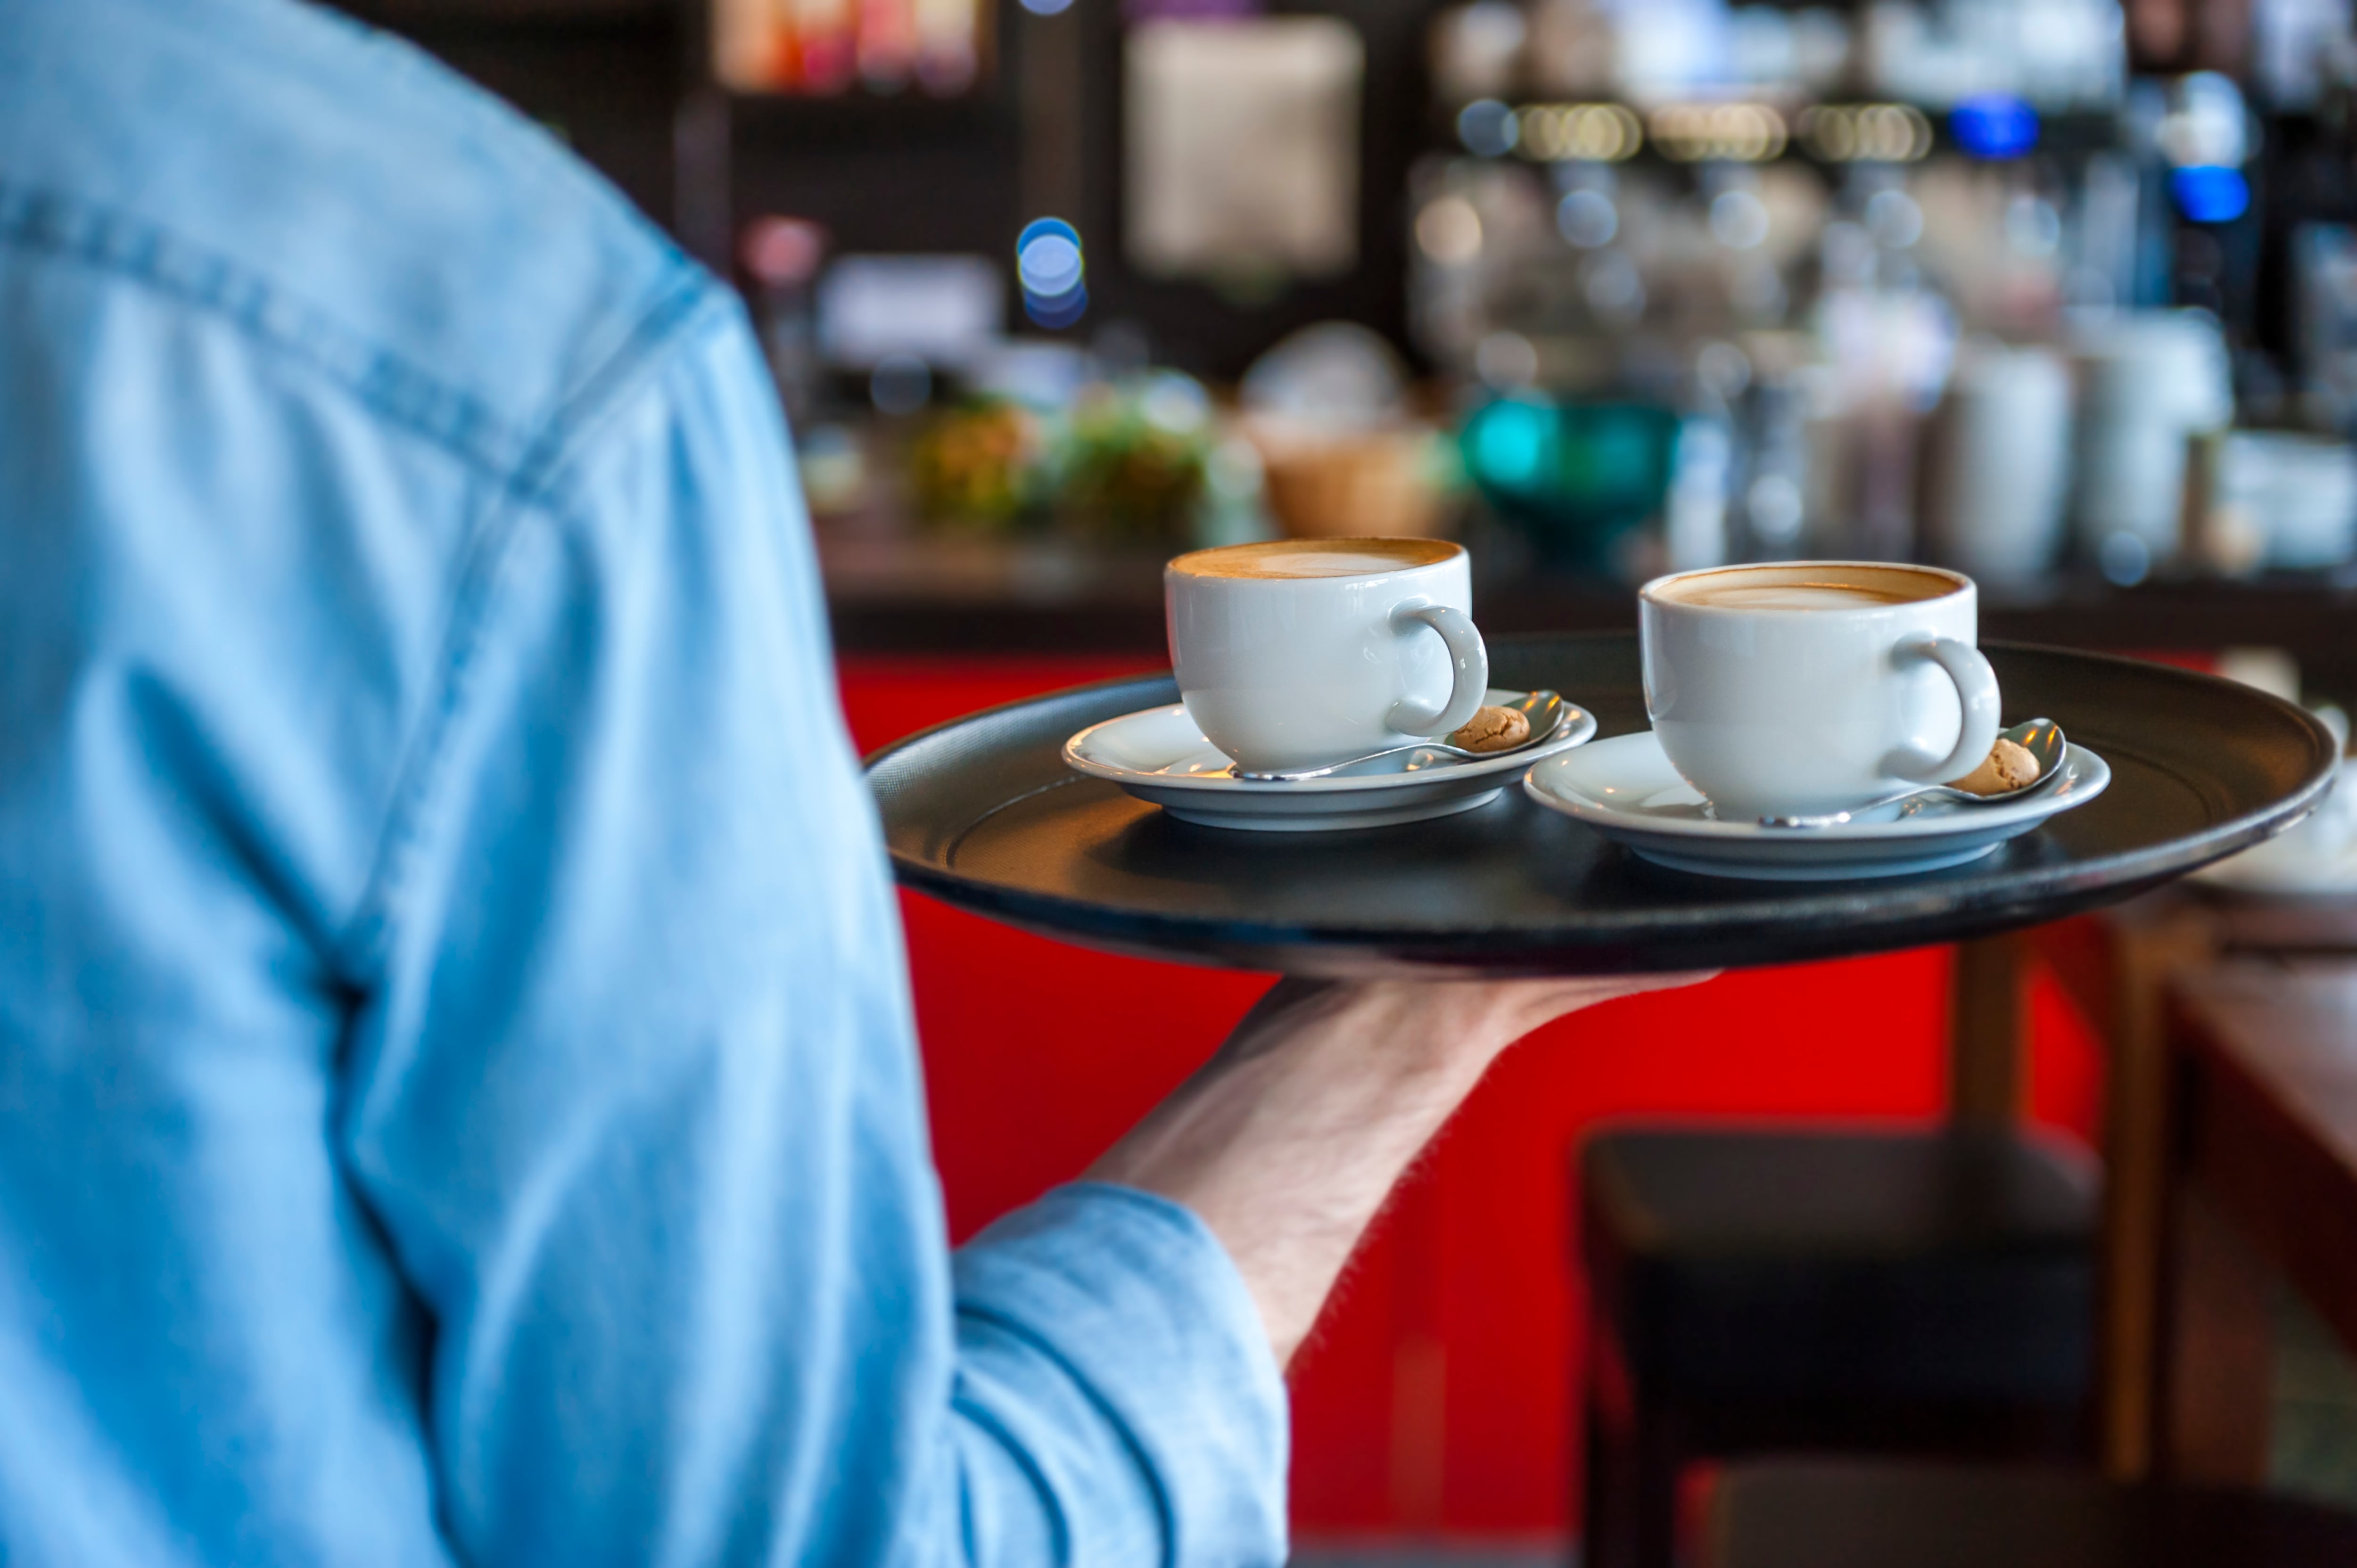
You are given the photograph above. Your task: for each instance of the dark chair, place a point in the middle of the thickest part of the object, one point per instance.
(2258, 1136)
(1845, 1515)
(1758, 1291)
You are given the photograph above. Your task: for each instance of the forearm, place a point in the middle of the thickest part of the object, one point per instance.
(1287, 1141)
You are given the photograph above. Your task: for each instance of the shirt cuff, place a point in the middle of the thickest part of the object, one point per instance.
(1140, 1307)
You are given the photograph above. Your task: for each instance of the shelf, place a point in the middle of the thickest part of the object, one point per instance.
(975, 594)
(2068, 132)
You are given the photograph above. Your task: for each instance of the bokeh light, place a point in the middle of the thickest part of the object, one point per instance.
(2125, 559)
(1057, 314)
(1488, 128)
(1739, 220)
(1449, 230)
(781, 253)
(1893, 219)
(1732, 133)
(1050, 267)
(1583, 133)
(1866, 133)
(1586, 218)
(1994, 125)
(2207, 193)
(1510, 445)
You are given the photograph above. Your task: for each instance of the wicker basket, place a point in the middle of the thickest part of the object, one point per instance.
(1353, 484)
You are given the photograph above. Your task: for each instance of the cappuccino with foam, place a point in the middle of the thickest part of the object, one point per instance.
(1783, 587)
(1297, 558)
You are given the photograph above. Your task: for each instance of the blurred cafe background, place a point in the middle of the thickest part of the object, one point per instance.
(2061, 293)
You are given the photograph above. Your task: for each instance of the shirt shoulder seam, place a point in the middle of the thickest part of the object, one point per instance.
(148, 255)
(525, 468)
(607, 395)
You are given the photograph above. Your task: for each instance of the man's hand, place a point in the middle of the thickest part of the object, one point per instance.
(1287, 1140)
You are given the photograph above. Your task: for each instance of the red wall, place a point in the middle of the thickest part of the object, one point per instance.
(1439, 1391)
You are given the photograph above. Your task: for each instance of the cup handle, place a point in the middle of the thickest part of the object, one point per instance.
(1977, 688)
(1468, 658)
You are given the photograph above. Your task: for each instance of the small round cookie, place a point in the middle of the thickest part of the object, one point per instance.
(2008, 767)
(1494, 729)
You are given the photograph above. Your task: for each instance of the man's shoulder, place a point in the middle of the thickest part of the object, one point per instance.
(332, 188)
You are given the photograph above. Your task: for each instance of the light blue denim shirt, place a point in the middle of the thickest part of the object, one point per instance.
(457, 1093)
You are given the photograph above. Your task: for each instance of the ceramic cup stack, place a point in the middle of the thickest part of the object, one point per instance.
(2001, 464)
(2147, 382)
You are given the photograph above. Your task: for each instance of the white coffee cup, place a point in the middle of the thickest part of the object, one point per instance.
(1811, 687)
(1300, 653)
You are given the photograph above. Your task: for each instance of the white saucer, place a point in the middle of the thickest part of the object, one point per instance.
(1626, 789)
(1158, 754)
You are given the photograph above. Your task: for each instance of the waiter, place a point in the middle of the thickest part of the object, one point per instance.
(458, 1101)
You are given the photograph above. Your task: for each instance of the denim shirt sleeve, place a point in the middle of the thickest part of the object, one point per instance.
(635, 1102)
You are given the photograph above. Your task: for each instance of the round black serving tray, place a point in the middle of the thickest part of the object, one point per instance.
(982, 812)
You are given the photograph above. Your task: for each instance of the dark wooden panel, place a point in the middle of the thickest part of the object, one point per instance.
(603, 74)
(2271, 1125)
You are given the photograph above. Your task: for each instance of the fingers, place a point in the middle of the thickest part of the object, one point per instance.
(1551, 994)
(1541, 1001)
(1447, 1017)
(1636, 984)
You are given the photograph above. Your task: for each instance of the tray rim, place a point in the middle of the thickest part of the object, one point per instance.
(1461, 950)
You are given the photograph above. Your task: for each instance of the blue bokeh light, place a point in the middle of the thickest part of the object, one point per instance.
(1994, 125)
(2207, 193)
(1488, 128)
(1040, 229)
(1055, 314)
(1049, 266)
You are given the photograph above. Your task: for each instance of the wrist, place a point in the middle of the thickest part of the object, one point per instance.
(1381, 1030)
